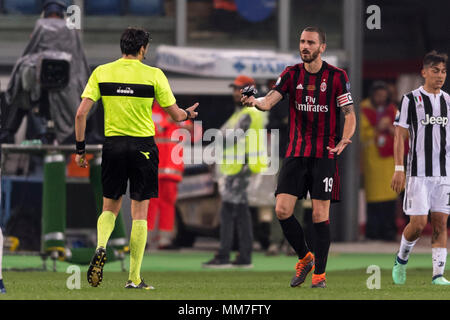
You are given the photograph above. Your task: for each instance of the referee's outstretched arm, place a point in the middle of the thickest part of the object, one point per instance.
(86, 104)
(179, 114)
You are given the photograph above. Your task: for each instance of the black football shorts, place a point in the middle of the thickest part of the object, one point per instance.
(133, 159)
(318, 176)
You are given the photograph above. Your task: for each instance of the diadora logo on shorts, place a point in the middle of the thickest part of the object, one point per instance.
(146, 154)
(127, 90)
(442, 121)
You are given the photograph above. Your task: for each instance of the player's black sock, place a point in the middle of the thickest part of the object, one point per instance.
(293, 232)
(321, 245)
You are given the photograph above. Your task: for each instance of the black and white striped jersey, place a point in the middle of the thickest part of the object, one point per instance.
(426, 116)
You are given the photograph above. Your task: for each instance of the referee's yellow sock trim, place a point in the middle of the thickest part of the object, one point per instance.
(105, 226)
(138, 240)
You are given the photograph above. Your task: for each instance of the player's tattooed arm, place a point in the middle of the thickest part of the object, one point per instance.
(348, 109)
(348, 131)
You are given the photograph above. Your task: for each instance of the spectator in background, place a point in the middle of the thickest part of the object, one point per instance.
(234, 179)
(169, 175)
(377, 138)
(393, 93)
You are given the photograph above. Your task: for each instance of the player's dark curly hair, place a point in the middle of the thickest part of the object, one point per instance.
(433, 58)
(133, 39)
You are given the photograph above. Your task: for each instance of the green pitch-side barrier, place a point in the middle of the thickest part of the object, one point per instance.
(118, 238)
(54, 204)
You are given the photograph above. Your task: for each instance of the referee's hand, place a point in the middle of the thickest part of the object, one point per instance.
(192, 110)
(398, 181)
(81, 160)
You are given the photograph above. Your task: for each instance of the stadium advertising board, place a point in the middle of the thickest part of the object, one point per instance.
(226, 63)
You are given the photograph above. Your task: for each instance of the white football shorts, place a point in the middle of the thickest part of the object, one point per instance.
(423, 194)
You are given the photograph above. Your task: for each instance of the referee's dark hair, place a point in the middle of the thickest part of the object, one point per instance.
(320, 32)
(133, 39)
(433, 58)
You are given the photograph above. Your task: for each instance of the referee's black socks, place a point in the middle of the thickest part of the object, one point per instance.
(294, 234)
(321, 245)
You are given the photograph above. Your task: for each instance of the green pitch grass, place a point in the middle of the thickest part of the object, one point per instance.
(180, 276)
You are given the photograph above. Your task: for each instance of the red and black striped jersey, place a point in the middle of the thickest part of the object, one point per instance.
(314, 103)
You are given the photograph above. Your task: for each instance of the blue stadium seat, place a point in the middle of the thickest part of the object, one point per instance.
(22, 6)
(103, 7)
(146, 7)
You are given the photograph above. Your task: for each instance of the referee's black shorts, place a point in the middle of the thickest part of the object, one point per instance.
(130, 158)
(318, 176)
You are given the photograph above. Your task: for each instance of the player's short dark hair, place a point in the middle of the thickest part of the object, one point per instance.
(433, 58)
(320, 32)
(133, 39)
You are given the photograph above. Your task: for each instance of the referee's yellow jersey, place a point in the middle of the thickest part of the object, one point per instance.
(127, 88)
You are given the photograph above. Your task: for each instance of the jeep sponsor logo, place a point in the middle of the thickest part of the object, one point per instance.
(311, 105)
(442, 121)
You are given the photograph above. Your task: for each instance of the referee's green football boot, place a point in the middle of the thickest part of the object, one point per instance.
(95, 271)
(399, 272)
(440, 280)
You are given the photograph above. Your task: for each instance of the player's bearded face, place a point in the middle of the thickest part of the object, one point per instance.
(308, 55)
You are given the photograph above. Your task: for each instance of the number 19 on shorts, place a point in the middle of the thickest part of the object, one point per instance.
(328, 184)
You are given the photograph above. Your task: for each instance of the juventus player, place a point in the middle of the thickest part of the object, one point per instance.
(317, 93)
(424, 114)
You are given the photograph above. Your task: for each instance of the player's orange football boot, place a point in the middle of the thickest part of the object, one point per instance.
(302, 268)
(318, 281)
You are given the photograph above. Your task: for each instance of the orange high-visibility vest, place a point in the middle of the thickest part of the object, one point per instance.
(164, 127)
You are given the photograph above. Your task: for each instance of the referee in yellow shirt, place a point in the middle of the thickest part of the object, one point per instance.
(127, 88)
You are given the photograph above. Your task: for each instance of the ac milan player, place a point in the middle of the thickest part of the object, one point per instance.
(317, 93)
